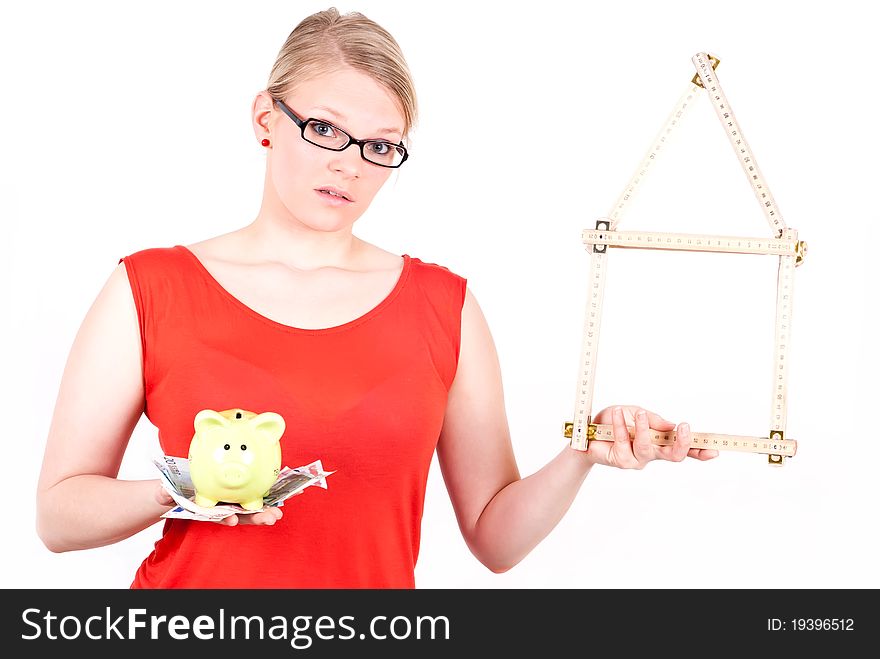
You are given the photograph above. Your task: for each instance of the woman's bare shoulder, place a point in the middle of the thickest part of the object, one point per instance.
(224, 247)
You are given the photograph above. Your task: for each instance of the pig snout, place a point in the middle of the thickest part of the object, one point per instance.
(233, 474)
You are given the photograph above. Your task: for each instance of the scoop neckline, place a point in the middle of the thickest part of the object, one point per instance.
(388, 299)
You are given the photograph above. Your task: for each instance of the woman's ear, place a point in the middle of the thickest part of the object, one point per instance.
(261, 111)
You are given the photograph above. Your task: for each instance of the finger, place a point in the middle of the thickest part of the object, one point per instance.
(266, 517)
(658, 422)
(682, 446)
(605, 416)
(621, 454)
(703, 453)
(232, 520)
(643, 447)
(674, 452)
(163, 498)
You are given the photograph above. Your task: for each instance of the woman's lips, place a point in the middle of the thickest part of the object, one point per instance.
(331, 198)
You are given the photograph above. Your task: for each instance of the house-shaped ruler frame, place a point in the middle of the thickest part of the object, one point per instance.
(783, 244)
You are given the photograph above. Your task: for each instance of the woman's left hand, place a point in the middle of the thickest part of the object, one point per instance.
(626, 452)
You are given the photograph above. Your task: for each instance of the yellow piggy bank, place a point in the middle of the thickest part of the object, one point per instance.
(235, 456)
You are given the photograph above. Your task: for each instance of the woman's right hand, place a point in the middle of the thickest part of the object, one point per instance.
(162, 496)
(266, 517)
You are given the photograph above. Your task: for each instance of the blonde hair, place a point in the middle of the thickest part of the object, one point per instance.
(325, 40)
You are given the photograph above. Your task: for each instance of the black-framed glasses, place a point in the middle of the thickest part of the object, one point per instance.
(327, 136)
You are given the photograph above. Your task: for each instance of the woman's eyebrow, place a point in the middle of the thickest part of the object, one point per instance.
(344, 119)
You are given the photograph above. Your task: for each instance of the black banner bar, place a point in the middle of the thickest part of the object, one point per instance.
(435, 622)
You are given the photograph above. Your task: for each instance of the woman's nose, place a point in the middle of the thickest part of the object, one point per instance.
(348, 161)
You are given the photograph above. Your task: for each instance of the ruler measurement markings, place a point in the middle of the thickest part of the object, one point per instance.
(737, 139)
(604, 432)
(784, 308)
(592, 321)
(690, 242)
(685, 101)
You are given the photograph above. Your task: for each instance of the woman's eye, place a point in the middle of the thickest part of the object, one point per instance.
(323, 130)
(380, 148)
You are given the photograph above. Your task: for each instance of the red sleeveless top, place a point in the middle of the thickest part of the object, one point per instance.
(367, 398)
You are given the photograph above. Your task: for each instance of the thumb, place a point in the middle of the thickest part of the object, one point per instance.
(658, 422)
(162, 496)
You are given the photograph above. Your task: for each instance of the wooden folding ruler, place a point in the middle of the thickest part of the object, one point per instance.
(784, 244)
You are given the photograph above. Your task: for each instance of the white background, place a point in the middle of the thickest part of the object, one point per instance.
(127, 126)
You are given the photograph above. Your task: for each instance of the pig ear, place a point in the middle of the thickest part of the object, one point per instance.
(269, 425)
(209, 419)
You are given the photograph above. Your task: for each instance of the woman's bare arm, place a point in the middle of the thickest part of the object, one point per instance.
(80, 503)
(502, 516)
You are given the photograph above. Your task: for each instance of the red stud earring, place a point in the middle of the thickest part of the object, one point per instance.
(265, 142)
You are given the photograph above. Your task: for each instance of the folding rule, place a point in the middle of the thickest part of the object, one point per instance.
(783, 244)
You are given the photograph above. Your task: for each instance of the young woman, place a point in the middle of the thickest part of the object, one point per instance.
(374, 359)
